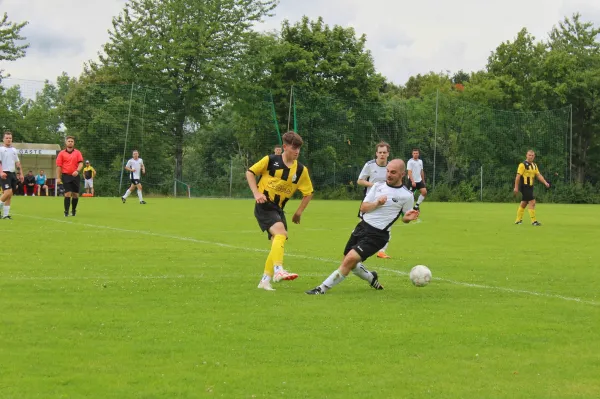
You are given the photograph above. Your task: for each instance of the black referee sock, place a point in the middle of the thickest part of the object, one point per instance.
(67, 203)
(75, 201)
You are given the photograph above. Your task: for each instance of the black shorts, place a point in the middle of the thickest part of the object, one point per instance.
(71, 183)
(527, 192)
(418, 186)
(366, 240)
(135, 182)
(267, 215)
(10, 183)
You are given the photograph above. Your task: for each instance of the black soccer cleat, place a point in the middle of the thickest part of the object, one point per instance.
(7, 217)
(74, 212)
(416, 207)
(66, 214)
(123, 199)
(316, 291)
(519, 222)
(536, 223)
(375, 282)
(142, 202)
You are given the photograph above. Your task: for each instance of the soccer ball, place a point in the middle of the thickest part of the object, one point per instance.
(420, 275)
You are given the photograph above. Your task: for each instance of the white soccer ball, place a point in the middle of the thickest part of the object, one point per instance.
(420, 275)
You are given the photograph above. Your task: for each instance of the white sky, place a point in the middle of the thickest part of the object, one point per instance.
(405, 37)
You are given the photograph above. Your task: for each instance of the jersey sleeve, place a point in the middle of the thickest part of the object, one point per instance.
(364, 173)
(304, 184)
(17, 157)
(408, 205)
(537, 170)
(260, 167)
(409, 165)
(128, 164)
(79, 157)
(59, 159)
(521, 169)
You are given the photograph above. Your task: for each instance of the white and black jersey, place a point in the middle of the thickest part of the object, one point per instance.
(8, 157)
(135, 164)
(415, 166)
(399, 201)
(373, 173)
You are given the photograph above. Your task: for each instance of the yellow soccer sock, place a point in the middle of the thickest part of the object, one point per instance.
(532, 215)
(277, 246)
(520, 212)
(269, 266)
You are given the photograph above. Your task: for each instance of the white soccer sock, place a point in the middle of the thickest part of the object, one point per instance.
(6, 210)
(361, 271)
(335, 278)
(140, 195)
(277, 268)
(265, 277)
(420, 199)
(126, 194)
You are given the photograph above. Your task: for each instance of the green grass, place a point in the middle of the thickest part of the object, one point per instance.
(160, 301)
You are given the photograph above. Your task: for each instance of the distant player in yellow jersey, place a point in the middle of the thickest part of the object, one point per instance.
(280, 177)
(526, 173)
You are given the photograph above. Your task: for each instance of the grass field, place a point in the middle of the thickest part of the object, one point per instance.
(160, 301)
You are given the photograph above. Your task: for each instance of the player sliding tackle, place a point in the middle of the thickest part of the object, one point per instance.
(384, 204)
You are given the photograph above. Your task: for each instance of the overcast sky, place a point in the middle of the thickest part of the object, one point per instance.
(406, 37)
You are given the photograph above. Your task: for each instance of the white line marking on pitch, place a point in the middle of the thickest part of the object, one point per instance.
(219, 244)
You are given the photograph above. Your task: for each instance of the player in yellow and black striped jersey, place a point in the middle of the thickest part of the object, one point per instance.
(527, 172)
(280, 177)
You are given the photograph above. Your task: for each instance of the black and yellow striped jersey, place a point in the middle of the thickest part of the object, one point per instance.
(528, 172)
(278, 182)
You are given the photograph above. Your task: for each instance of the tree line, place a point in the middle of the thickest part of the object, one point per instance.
(196, 86)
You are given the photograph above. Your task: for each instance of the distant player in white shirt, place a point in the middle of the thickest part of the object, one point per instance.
(10, 171)
(373, 172)
(416, 176)
(385, 203)
(135, 167)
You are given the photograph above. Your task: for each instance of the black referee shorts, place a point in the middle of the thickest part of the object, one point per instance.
(527, 192)
(10, 183)
(267, 215)
(71, 183)
(366, 240)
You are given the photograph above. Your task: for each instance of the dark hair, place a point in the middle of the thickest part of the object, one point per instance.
(416, 149)
(278, 146)
(383, 144)
(293, 139)
(7, 132)
(69, 137)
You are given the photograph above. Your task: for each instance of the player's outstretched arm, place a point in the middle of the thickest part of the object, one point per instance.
(298, 214)
(364, 183)
(259, 197)
(410, 216)
(367, 207)
(517, 181)
(542, 180)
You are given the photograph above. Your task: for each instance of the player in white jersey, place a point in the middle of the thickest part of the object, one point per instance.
(373, 172)
(135, 167)
(416, 176)
(384, 204)
(10, 168)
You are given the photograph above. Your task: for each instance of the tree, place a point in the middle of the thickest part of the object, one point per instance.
(187, 47)
(10, 34)
(573, 69)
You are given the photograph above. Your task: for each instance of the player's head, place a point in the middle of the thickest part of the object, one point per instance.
(530, 155)
(382, 151)
(30, 173)
(415, 153)
(70, 142)
(87, 163)
(7, 138)
(277, 150)
(395, 172)
(136, 154)
(42, 172)
(292, 142)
